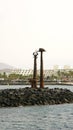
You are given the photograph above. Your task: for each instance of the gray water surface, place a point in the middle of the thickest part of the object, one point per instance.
(53, 117)
(70, 87)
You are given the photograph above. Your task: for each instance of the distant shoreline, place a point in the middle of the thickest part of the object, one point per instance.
(27, 83)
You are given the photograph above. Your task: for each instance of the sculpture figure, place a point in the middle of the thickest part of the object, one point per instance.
(41, 50)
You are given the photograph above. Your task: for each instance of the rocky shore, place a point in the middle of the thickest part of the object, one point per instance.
(32, 96)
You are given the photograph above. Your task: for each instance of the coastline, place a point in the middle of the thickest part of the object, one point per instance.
(24, 82)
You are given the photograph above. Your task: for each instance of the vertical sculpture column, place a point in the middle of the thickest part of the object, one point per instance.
(35, 70)
(41, 50)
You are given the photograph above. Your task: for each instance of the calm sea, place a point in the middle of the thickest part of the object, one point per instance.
(47, 117)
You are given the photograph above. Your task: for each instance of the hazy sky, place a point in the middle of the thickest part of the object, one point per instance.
(27, 25)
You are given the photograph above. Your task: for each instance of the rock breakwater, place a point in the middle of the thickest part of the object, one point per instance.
(32, 96)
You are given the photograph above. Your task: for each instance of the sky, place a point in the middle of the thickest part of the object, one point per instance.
(27, 25)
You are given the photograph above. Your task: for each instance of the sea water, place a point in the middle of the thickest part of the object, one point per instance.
(42, 117)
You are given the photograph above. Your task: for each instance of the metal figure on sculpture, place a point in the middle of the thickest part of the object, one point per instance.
(35, 70)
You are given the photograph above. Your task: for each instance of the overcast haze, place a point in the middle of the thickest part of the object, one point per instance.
(27, 25)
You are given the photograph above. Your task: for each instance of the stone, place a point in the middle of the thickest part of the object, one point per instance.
(34, 96)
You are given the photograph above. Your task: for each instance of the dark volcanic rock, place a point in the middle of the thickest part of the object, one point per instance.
(31, 96)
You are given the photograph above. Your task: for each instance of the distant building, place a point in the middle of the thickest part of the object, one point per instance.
(1, 79)
(23, 72)
(55, 67)
(66, 67)
(29, 72)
